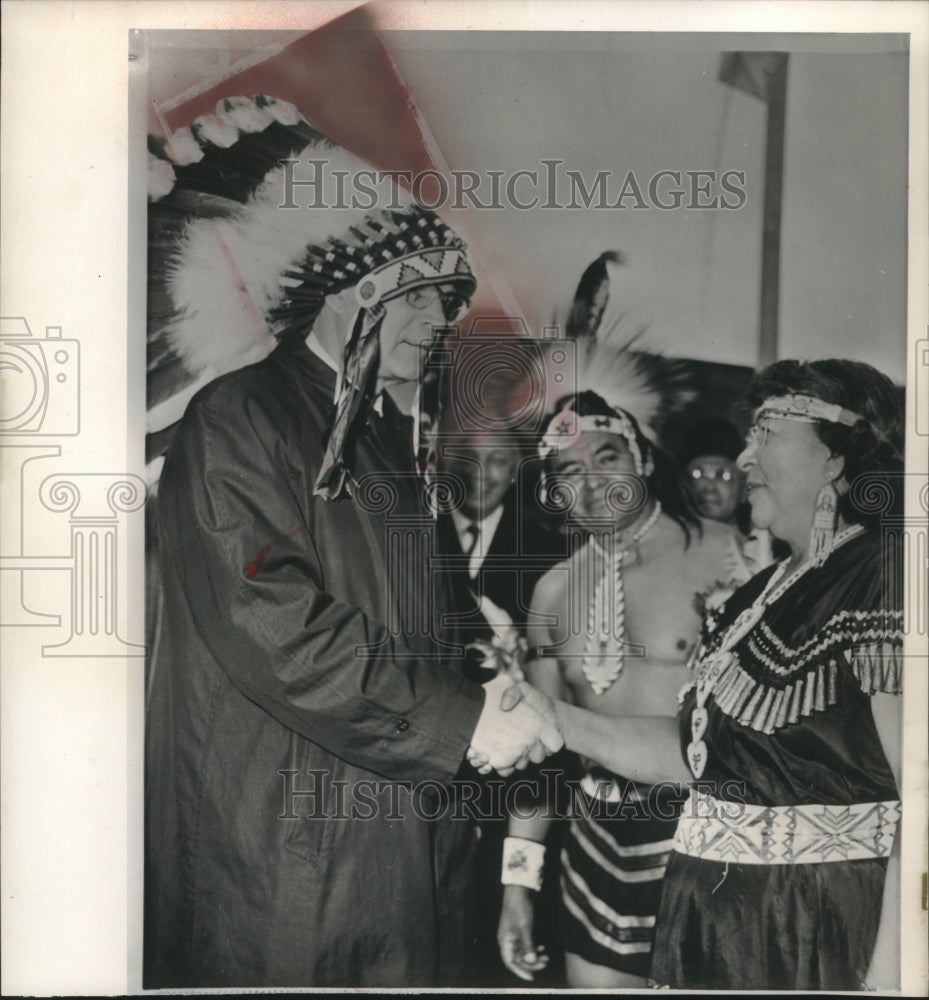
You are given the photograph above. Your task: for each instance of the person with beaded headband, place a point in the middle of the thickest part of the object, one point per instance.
(300, 676)
(784, 870)
(625, 615)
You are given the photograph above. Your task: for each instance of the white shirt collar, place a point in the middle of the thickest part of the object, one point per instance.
(486, 526)
(315, 347)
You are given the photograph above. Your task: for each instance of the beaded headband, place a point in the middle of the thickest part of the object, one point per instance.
(393, 252)
(806, 409)
(565, 428)
(423, 267)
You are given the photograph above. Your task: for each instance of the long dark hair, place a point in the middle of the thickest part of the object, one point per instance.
(664, 482)
(873, 448)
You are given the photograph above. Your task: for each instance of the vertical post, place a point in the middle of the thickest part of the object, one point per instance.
(764, 75)
(410, 562)
(771, 229)
(93, 593)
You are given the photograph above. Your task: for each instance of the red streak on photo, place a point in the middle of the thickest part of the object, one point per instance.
(344, 85)
(344, 82)
(253, 568)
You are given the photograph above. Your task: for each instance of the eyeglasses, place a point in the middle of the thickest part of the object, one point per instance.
(454, 304)
(757, 436)
(726, 475)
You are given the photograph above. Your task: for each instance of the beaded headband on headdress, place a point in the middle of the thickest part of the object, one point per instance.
(565, 428)
(806, 409)
(391, 253)
(415, 269)
(633, 383)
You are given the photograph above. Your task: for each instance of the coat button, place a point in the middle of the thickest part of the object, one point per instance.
(402, 726)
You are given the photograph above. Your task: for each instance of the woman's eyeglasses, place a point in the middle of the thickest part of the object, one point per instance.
(454, 304)
(757, 436)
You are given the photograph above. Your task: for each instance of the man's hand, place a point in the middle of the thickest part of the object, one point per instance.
(506, 739)
(514, 935)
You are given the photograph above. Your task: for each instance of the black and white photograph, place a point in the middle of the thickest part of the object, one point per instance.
(483, 546)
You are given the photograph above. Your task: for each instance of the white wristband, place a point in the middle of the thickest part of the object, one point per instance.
(522, 863)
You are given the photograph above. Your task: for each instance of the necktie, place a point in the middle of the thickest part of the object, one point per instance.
(469, 542)
(470, 538)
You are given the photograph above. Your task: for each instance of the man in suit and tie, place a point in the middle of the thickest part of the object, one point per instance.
(498, 529)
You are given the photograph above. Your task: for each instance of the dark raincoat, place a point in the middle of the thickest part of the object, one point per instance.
(303, 722)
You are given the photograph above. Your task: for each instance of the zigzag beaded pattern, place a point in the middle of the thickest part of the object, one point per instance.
(758, 693)
(843, 630)
(803, 834)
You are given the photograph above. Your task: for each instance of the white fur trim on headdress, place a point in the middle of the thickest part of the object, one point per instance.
(244, 114)
(226, 276)
(183, 148)
(160, 178)
(626, 376)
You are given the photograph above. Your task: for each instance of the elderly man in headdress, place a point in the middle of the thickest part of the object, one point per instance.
(303, 730)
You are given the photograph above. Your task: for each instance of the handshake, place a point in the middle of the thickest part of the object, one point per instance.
(518, 724)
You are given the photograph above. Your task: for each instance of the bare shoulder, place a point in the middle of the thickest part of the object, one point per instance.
(706, 543)
(549, 592)
(548, 603)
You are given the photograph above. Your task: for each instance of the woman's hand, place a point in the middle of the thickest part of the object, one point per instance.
(524, 696)
(514, 935)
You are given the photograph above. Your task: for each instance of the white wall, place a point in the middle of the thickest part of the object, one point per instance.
(843, 284)
(646, 103)
(643, 103)
(613, 103)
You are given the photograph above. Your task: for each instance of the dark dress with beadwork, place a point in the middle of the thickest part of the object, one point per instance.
(790, 724)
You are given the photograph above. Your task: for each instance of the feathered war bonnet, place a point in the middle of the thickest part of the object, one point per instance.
(632, 382)
(251, 226)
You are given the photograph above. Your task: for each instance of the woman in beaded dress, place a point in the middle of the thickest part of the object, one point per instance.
(783, 872)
